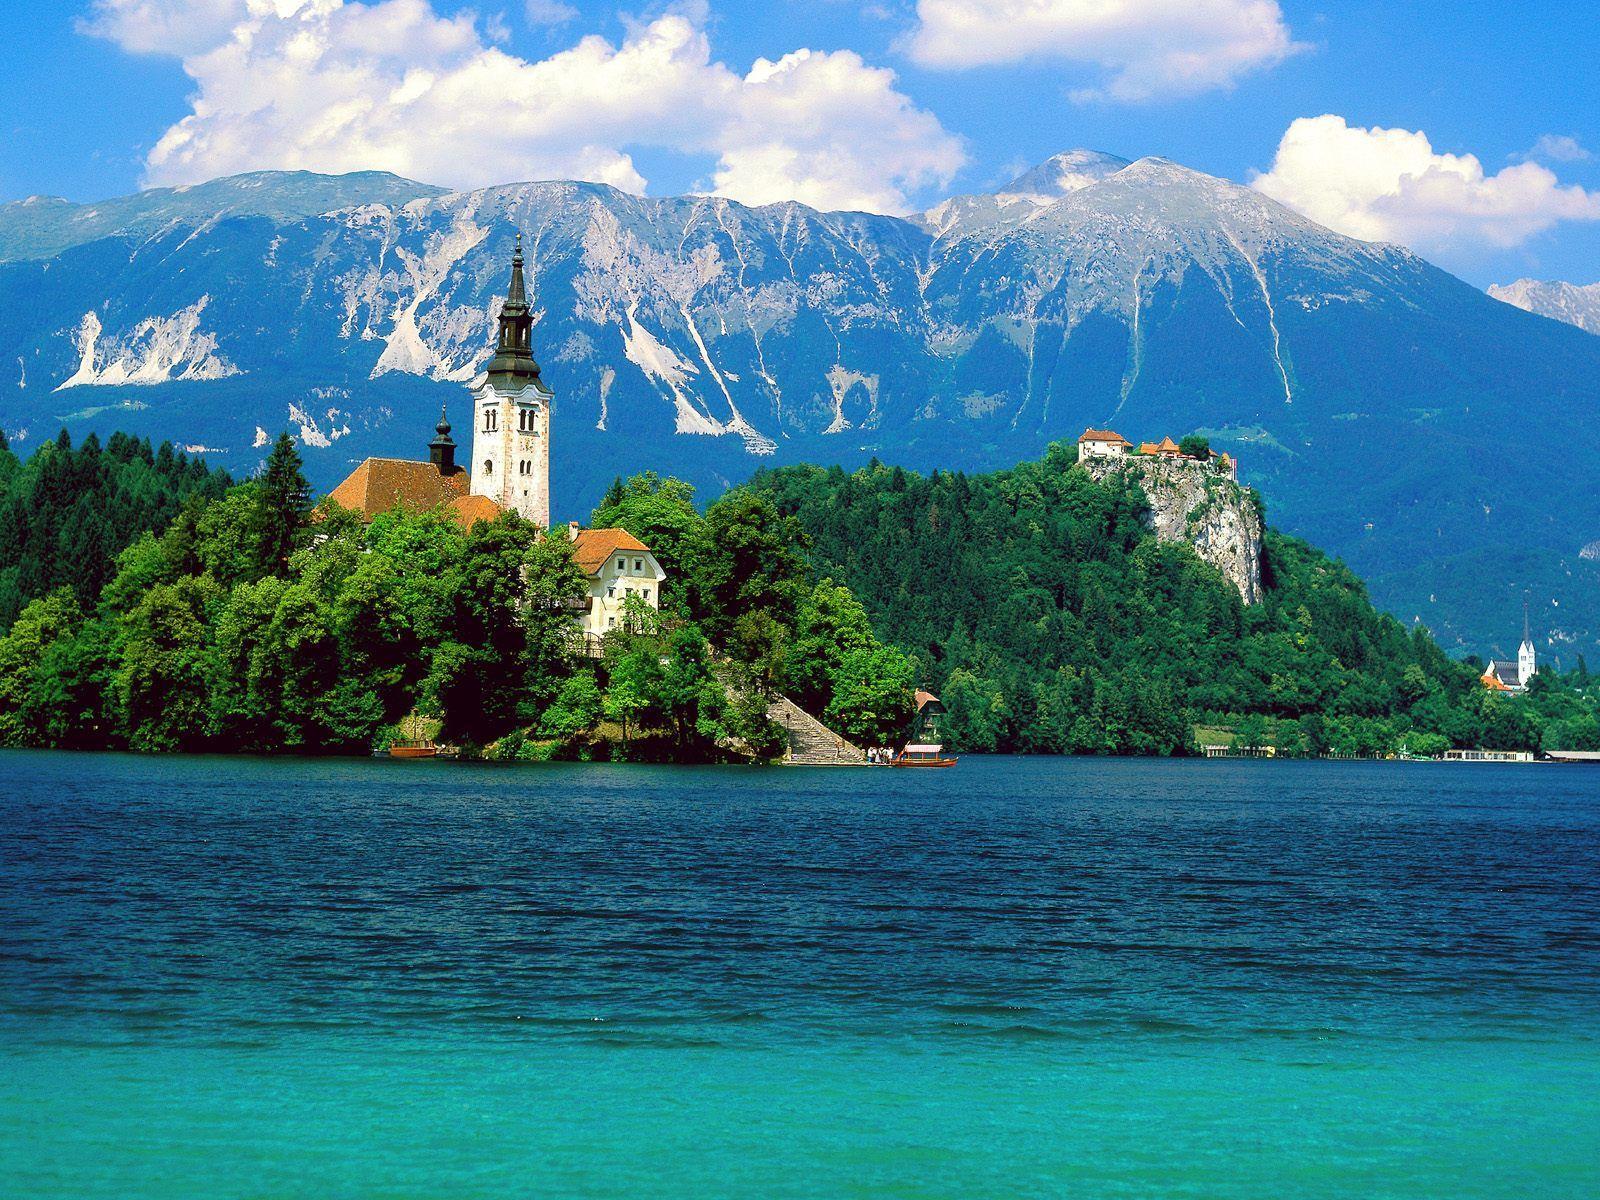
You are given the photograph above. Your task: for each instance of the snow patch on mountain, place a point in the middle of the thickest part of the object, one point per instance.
(405, 348)
(664, 368)
(155, 350)
(310, 432)
(841, 380)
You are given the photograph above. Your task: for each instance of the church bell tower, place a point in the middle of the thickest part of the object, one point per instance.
(1527, 661)
(511, 415)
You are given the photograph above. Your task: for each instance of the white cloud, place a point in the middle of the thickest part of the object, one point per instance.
(164, 26)
(334, 86)
(808, 117)
(1147, 48)
(1390, 185)
(548, 12)
(1558, 147)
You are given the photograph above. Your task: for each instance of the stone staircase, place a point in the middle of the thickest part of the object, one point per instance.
(811, 743)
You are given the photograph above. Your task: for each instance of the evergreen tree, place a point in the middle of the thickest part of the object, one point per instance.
(283, 505)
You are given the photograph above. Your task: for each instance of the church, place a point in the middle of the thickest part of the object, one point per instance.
(1503, 675)
(507, 471)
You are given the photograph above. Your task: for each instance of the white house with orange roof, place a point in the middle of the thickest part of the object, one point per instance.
(1103, 443)
(619, 566)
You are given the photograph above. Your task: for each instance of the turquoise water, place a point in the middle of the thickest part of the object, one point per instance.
(1020, 978)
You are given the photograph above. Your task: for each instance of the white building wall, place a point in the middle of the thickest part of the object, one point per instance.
(609, 588)
(1102, 449)
(511, 451)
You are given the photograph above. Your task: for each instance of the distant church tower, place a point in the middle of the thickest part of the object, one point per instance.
(1527, 667)
(511, 411)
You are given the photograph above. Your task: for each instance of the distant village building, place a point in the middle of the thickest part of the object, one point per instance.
(1503, 675)
(509, 471)
(1107, 443)
(1103, 443)
(1165, 448)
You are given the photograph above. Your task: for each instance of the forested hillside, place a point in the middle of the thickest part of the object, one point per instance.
(1051, 620)
(66, 512)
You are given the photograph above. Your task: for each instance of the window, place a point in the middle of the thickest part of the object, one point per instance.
(638, 566)
(491, 420)
(488, 466)
(622, 564)
(611, 622)
(611, 592)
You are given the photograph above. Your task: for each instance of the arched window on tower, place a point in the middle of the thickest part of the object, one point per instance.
(490, 420)
(488, 466)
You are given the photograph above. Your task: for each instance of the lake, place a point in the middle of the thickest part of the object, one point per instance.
(1020, 978)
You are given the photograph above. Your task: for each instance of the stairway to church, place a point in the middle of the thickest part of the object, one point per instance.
(811, 743)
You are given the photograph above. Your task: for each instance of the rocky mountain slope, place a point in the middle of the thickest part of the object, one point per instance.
(1383, 406)
(1567, 302)
(1191, 502)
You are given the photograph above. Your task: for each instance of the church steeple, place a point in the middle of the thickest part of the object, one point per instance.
(442, 450)
(1527, 659)
(513, 366)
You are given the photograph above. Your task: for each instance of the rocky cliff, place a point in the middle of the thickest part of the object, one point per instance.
(1191, 502)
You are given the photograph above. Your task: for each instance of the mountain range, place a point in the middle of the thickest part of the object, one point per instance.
(1437, 439)
(1576, 304)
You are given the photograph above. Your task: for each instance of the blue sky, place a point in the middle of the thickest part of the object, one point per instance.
(676, 98)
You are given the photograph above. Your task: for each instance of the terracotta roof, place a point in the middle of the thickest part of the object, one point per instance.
(1102, 435)
(380, 484)
(925, 698)
(593, 546)
(1165, 446)
(469, 510)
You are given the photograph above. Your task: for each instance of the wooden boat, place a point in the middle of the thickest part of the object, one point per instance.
(413, 749)
(917, 755)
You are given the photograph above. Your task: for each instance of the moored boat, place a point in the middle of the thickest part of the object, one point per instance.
(413, 749)
(923, 755)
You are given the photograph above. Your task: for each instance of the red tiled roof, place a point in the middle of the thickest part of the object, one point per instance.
(469, 510)
(925, 698)
(591, 547)
(1102, 435)
(381, 484)
(1492, 681)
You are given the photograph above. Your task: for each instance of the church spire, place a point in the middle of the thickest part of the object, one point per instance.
(513, 366)
(442, 450)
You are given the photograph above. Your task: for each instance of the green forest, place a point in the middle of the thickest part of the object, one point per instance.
(66, 512)
(1050, 620)
(156, 605)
